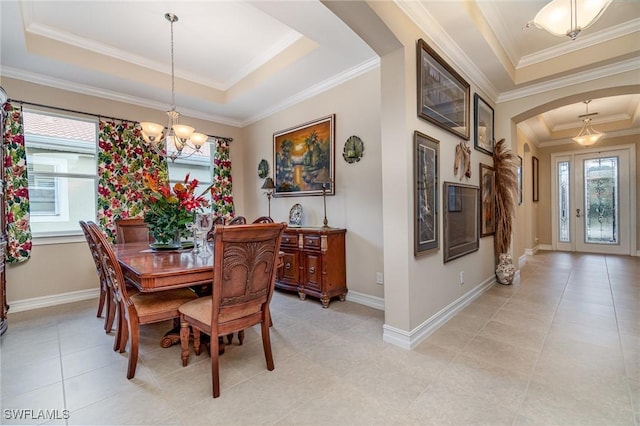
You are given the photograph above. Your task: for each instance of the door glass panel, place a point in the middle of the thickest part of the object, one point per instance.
(563, 202)
(601, 200)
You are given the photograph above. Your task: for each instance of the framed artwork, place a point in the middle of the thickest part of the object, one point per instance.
(483, 125)
(519, 178)
(425, 196)
(536, 178)
(487, 200)
(443, 95)
(300, 154)
(460, 235)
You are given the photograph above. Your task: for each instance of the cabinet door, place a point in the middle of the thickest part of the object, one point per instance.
(313, 271)
(289, 272)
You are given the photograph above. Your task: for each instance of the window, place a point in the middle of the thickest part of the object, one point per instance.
(61, 159)
(197, 165)
(62, 168)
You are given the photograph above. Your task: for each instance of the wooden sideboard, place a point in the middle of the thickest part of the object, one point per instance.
(314, 263)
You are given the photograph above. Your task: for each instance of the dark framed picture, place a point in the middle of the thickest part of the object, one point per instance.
(519, 172)
(487, 200)
(300, 154)
(425, 180)
(443, 95)
(460, 235)
(536, 179)
(483, 133)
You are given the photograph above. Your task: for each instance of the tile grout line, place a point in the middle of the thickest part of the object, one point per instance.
(622, 352)
(544, 341)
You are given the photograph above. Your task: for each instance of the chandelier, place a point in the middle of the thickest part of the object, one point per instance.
(569, 17)
(588, 135)
(177, 136)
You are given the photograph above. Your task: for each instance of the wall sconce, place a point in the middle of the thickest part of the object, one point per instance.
(269, 186)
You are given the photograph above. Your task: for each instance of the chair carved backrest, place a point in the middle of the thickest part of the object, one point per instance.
(245, 261)
(111, 267)
(132, 230)
(105, 298)
(94, 249)
(263, 219)
(238, 220)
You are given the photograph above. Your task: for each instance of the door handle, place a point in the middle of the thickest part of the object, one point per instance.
(577, 212)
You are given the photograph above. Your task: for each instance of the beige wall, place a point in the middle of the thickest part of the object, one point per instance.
(356, 203)
(423, 286)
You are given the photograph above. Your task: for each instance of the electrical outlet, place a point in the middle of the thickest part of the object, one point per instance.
(379, 278)
(461, 277)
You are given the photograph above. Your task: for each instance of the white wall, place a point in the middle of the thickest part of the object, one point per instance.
(358, 196)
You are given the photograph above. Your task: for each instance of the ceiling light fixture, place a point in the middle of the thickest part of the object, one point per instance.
(588, 135)
(177, 135)
(569, 17)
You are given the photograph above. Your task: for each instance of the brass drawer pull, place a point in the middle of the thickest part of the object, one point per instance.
(287, 265)
(312, 270)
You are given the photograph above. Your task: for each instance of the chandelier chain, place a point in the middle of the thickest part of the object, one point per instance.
(173, 83)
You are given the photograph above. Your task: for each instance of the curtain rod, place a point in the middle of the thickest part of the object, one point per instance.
(222, 138)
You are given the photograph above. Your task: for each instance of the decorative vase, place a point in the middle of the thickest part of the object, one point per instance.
(505, 270)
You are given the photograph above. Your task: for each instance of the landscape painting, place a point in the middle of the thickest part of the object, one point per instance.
(301, 153)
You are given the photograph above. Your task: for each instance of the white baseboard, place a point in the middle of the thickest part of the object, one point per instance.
(409, 340)
(530, 251)
(53, 300)
(365, 299)
(545, 247)
(522, 260)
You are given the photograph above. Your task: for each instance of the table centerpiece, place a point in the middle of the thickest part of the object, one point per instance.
(169, 210)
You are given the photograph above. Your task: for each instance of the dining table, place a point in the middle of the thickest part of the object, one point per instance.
(152, 270)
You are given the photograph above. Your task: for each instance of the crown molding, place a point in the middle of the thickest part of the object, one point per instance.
(103, 49)
(417, 12)
(317, 89)
(614, 134)
(529, 133)
(632, 64)
(582, 42)
(106, 94)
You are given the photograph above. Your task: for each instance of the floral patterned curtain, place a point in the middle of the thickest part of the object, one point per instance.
(17, 187)
(123, 158)
(221, 191)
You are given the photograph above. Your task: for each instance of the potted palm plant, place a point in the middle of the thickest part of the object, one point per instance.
(504, 164)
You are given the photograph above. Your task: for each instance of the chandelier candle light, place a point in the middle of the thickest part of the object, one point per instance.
(588, 135)
(569, 17)
(177, 135)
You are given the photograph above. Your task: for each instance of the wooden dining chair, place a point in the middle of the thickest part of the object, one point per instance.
(132, 230)
(217, 220)
(104, 303)
(263, 219)
(238, 220)
(138, 309)
(244, 265)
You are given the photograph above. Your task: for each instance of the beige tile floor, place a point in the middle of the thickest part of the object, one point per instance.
(559, 347)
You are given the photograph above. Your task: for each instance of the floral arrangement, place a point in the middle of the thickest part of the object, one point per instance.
(170, 210)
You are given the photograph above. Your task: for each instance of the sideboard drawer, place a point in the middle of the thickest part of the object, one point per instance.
(289, 240)
(311, 241)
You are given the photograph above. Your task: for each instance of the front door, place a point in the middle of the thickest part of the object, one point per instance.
(593, 203)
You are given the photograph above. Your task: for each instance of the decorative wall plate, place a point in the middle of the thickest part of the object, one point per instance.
(263, 169)
(353, 149)
(295, 215)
